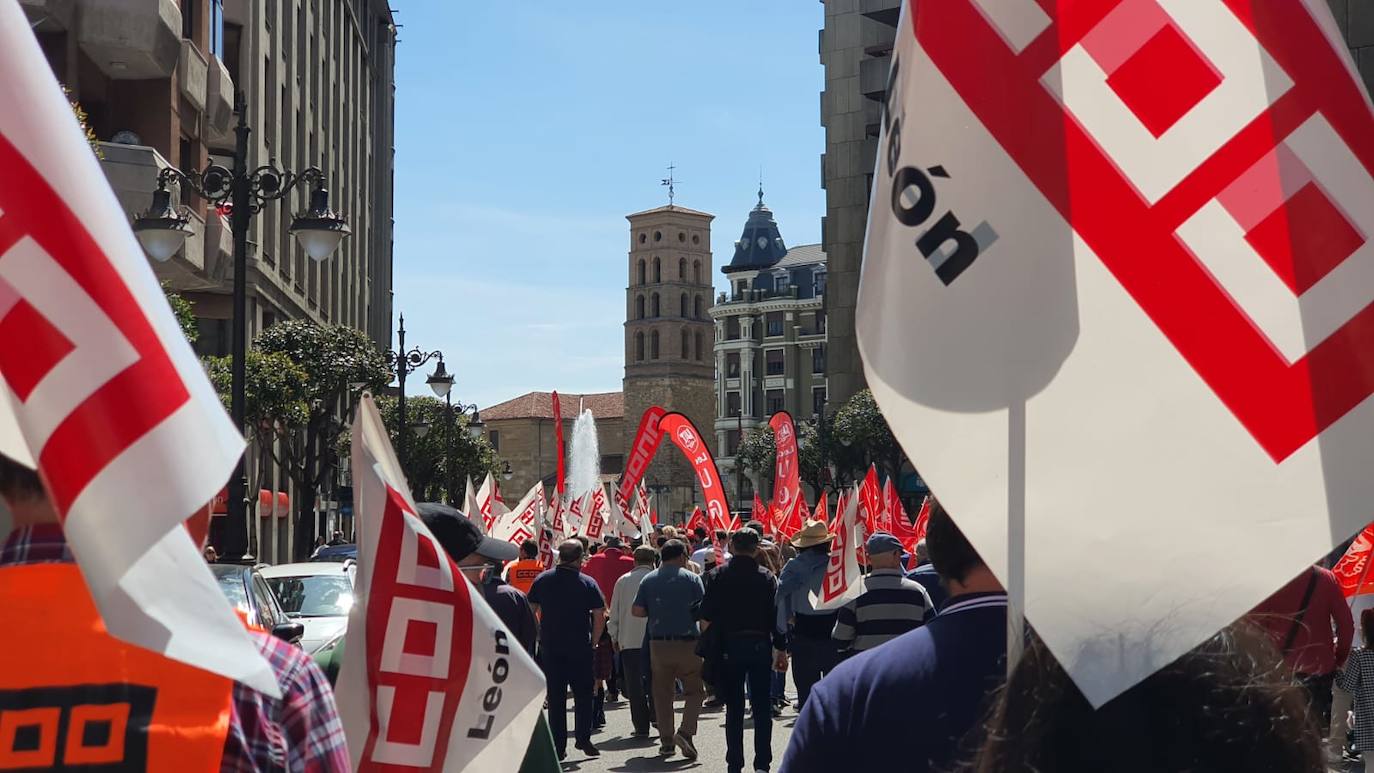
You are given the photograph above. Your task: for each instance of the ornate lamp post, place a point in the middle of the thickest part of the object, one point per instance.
(408, 362)
(441, 381)
(163, 228)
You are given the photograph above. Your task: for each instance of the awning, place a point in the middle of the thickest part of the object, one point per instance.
(220, 504)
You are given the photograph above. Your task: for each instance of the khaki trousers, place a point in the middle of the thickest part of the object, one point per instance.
(669, 661)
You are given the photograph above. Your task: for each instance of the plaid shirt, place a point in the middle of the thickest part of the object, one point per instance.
(300, 733)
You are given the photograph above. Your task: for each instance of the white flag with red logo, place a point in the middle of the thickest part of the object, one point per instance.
(433, 680)
(490, 503)
(843, 580)
(472, 508)
(99, 390)
(1128, 242)
(525, 520)
(598, 513)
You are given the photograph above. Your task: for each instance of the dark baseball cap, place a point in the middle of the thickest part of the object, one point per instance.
(460, 537)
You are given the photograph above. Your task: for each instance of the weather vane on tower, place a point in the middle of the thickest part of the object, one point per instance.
(670, 182)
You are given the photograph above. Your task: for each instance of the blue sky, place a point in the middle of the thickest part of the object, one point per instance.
(526, 131)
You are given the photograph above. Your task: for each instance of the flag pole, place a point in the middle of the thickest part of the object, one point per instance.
(1016, 533)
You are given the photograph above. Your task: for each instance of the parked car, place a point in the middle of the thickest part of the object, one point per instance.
(335, 553)
(247, 590)
(318, 595)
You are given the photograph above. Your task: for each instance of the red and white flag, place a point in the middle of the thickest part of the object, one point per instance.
(843, 581)
(575, 515)
(433, 681)
(490, 503)
(472, 508)
(99, 390)
(787, 471)
(645, 505)
(621, 522)
(698, 518)
(1353, 572)
(922, 520)
(872, 509)
(598, 513)
(1116, 243)
(525, 520)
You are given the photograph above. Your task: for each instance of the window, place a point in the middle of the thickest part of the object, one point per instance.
(696, 266)
(781, 284)
(818, 359)
(732, 403)
(773, 362)
(774, 319)
(639, 346)
(658, 270)
(612, 464)
(774, 400)
(641, 266)
(639, 307)
(732, 365)
(819, 284)
(217, 28)
(682, 305)
(820, 321)
(681, 266)
(683, 349)
(188, 20)
(743, 287)
(494, 437)
(658, 236)
(682, 237)
(817, 401)
(731, 442)
(653, 345)
(653, 305)
(643, 238)
(697, 309)
(698, 346)
(732, 329)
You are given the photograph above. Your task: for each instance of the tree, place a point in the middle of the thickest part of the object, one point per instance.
(295, 413)
(860, 426)
(184, 311)
(426, 457)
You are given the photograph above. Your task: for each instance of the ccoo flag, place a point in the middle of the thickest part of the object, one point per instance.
(433, 680)
(99, 390)
(1120, 242)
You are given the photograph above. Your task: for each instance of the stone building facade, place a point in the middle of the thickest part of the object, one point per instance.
(668, 339)
(522, 431)
(770, 340)
(856, 52)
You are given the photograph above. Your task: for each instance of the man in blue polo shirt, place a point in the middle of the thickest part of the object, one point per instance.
(667, 596)
(950, 666)
(573, 615)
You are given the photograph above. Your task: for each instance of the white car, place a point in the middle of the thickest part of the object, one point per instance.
(318, 594)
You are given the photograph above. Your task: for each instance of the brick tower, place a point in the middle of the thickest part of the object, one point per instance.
(669, 339)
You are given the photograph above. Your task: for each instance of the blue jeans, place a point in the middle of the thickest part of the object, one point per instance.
(748, 660)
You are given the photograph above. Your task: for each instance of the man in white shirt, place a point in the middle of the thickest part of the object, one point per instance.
(706, 553)
(627, 636)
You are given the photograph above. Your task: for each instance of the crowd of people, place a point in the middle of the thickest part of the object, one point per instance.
(909, 675)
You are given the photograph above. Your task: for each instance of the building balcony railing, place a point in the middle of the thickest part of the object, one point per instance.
(219, 104)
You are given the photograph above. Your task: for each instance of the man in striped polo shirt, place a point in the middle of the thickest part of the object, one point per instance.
(890, 605)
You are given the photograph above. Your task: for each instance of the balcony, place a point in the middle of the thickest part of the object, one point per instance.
(219, 105)
(49, 15)
(192, 72)
(132, 173)
(884, 11)
(131, 39)
(873, 76)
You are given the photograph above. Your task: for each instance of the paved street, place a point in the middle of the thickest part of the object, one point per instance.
(621, 752)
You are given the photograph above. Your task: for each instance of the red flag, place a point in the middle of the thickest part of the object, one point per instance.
(787, 475)
(922, 520)
(822, 513)
(688, 439)
(558, 441)
(735, 525)
(1353, 568)
(871, 502)
(902, 527)
(698, 519)
(759, 513)
(642, 451)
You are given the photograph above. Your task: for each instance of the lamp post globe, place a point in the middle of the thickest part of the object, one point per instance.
(441, 381)
(162, 229)
(319, 229)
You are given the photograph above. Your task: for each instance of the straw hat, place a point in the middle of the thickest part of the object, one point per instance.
(815, 533)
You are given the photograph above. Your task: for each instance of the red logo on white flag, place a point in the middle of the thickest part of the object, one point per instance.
(1232, 205)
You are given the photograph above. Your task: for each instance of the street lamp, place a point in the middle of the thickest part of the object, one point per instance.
(507, 473)
(441, 381)
(406, 362)
(163, 229)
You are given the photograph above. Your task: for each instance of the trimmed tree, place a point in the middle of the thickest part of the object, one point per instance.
(860, 427)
